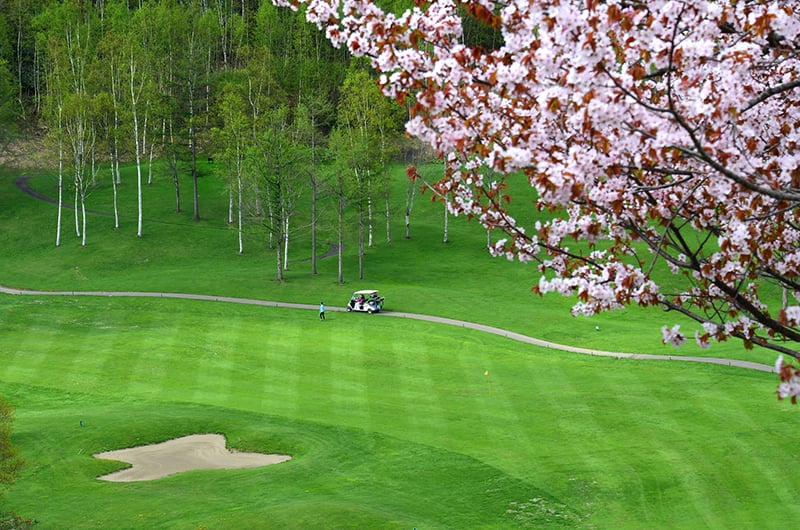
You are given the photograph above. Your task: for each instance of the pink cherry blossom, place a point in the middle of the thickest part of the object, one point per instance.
(658, 136)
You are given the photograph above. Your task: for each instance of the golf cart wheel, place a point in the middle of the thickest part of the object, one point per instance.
(349, 309)
(370, 310)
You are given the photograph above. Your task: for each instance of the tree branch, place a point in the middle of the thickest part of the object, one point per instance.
(769, 92)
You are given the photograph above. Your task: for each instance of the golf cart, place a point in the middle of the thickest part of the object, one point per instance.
(367, 301)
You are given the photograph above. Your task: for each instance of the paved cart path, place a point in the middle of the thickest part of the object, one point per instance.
(442, 320)
(23, 184)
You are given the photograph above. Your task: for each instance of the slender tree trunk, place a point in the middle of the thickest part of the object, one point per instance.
(193, 149)
(271, 215)
(279, 260)
(314, 221)
(176, 181)
(144, 145)
(94, 160)
(196, 194)
(76, 203)
(116, 204)
(138, 149)
(239, 191)
(411, 191)
(388, 216)
(340, 227)
(114, 192)
(370, 223)
(446, 222)
(37, 77)
(138, 173)
(150, 164)
(60, 185)
(361, 238)
(20, 33)
(76, 179)
(286, 243)
(115, 173)
(314, 192)
(174, 166)
(83, 218)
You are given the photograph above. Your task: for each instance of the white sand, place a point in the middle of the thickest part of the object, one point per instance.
(198, 451)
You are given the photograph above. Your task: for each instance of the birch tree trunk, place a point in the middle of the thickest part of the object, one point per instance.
(360, 235)
(313, 217)
(173, 162)
(76, 202)
(116, 177)
(388, 218)
(446, 223)
(340, 226)
(83, 218)
(114, 195)
(370, 224)
(60, 180)
(411, 191)
(239, 192)
(193, 149)
(138, 157)
(144, 143)
(150, 163)
(279, 262)
(286, 243)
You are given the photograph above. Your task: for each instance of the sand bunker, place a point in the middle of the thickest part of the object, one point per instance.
(198, 451)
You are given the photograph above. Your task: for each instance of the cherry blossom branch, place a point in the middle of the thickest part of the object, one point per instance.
(769, 92)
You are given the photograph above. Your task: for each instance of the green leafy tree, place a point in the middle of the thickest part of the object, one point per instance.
(311, 114)
(8, 112)
(364, 128)
(278, 157)
(20, 53)
(233, 141)
(67, 34)
(317, 73)
(340, 184)
(167, 26)
(139, 86)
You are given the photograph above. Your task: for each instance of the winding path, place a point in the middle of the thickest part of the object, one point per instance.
(441, 320)
(23, 185)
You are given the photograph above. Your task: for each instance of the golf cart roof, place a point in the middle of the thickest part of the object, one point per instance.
(366, 291)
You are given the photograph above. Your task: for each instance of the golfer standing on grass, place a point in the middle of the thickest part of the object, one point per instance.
(321, 311)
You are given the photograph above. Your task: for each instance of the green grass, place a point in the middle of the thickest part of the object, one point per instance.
(423, 275)
(392, 423)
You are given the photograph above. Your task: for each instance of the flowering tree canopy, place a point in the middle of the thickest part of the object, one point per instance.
(658, 133)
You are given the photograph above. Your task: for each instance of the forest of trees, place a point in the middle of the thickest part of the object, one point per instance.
(251, 86)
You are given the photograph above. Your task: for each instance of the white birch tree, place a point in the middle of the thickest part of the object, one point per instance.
(309, 115)
(233, 141)
(136, 81)
(276, 165)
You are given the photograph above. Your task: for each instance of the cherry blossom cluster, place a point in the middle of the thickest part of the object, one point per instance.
(790, 380)
(658, 136)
